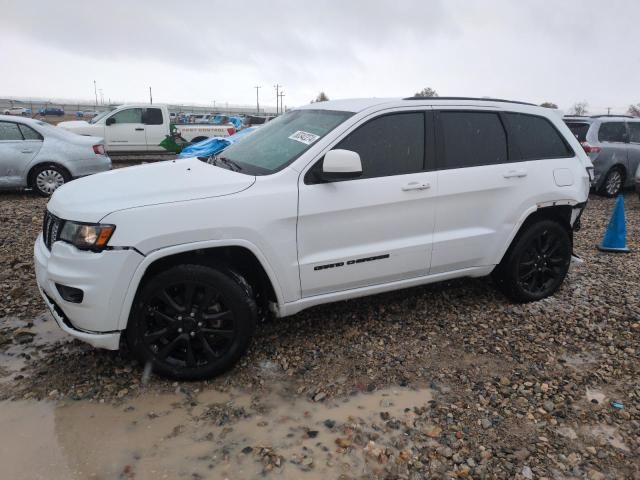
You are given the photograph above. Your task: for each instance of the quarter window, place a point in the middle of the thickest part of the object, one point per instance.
(634, 132)
(389, 145)
(473, 138)
(130, 115)
(9, 131)
(535, 138)
(29, 133)
(612, 132)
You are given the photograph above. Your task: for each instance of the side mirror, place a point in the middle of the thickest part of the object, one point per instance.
(341, 165)
(110, 121)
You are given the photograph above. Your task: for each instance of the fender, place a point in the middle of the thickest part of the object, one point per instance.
(526, 214)
(155, 255)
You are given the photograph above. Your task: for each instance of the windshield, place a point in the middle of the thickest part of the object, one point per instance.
(281, 141)
(101, 115)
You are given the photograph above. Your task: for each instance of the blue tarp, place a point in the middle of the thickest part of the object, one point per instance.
(214, 145)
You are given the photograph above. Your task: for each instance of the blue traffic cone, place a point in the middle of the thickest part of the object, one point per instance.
(615, 238)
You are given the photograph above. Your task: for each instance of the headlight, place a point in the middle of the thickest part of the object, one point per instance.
(86, 236)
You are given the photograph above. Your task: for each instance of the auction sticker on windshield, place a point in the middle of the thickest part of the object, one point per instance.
(304, 137)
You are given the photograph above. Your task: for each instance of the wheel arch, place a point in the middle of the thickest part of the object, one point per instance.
(45, 163)
(242, 258)
(561, 213)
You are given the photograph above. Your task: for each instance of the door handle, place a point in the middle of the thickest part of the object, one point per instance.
(139, 129)
(515, 174)
(416, 186)
(27, 151)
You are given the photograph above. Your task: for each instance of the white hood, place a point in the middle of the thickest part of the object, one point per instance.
(91, 198)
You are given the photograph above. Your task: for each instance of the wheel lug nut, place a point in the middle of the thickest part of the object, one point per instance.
(179, 317)
(192, 314)
(199, 324)
(193, 334)
(179, 330)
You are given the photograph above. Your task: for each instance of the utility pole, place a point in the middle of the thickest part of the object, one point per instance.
(257, 99)
(150, 96)
(95, 90)
(608, 110)
(101, 97)
(281, 102)
(277, 87)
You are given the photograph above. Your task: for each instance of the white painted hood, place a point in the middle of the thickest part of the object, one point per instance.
(91, 198)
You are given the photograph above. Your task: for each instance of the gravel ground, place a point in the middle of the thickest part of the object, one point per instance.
(519, 391)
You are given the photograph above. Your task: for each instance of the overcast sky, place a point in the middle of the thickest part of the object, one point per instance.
(199, 51)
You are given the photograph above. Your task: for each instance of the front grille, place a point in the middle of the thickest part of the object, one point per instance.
(51, 228)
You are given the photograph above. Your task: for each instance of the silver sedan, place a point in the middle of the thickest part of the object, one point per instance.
(37, 155)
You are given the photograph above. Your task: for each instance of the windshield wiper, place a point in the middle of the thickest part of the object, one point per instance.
(234, 166)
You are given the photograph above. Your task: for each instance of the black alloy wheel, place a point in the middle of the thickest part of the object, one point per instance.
(192, 322)
(537, 263)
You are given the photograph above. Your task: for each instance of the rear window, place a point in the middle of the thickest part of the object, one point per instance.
(535, 138)
(579, 130)
(634, 132)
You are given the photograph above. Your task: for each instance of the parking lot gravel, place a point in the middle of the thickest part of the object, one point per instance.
(549, 389)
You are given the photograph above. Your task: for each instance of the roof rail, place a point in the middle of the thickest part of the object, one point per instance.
(602, 116)
(471, 98)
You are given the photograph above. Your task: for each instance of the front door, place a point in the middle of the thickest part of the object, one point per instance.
(19, 144)
(376, 228)
(128, 131)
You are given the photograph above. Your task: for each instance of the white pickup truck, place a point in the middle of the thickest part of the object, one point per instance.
(143, 128)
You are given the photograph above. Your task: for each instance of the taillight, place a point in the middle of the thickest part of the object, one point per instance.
(590, 148)
(231, 131)
(98, 149)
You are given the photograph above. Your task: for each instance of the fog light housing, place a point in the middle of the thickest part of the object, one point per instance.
(70, 294)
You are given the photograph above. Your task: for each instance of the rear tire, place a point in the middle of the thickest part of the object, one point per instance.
(613, 182)
(536, 263)
(192, 322)
(46, 179)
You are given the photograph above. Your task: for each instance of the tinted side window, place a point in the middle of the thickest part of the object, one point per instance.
(131, 115)
(634, 132)
(535, 137)
(472, 138)
(29, 133)
(612, 132)
(153, 116)
(389, 145)
(9, 131)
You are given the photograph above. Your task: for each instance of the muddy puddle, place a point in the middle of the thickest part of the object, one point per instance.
(25, 339)
(213, 435)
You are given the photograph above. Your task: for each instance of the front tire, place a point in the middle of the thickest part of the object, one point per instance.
(537, 262)
(46, 179)
(192, 322)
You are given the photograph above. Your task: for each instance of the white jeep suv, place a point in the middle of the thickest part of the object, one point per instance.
(331, 201)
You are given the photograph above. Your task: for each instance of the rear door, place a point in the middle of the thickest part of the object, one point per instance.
(614, 138)
(128, 131)
(493, 167)
(377, 228)
(633, 155)
(155, 127)
(481, 190)
(19, 144)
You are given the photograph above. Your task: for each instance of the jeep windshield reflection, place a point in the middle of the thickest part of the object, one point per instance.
(279, 142)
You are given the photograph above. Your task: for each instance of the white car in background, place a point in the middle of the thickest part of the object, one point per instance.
(37, 155)
(17, 111)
